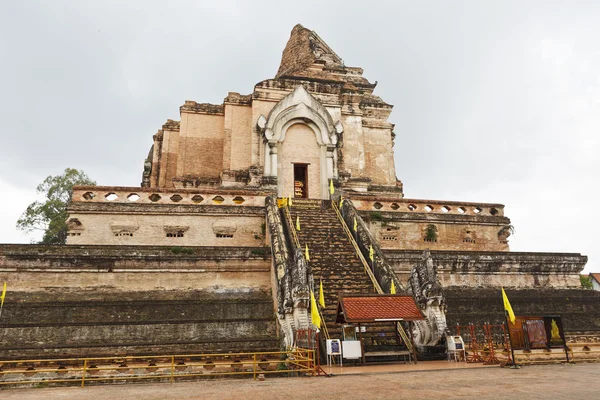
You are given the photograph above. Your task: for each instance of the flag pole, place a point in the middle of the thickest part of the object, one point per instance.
(512, 350)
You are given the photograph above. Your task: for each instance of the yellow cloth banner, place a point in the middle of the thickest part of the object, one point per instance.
(355, 225)
(331, 188)
(297, 222)
(341, 202)
(507, 307)
(371, 253)
(290, 200)
(306, 255)
(321, 294)
(3, 295)
(314, 311)
(393, 288)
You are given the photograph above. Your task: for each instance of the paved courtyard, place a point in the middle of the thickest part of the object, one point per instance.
(558, 382)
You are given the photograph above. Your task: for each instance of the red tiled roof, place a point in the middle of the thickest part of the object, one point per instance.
(596, 276)
(377, 307)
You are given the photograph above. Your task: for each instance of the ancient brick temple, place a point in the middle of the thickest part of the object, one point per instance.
(207, 250)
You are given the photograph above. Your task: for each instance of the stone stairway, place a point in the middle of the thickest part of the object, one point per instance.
(333, 260)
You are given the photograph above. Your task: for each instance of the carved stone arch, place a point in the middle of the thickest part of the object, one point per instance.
(300, 107)
(299, 104)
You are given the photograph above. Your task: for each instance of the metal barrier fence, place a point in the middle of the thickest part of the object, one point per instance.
(483, 345)
(166, 367)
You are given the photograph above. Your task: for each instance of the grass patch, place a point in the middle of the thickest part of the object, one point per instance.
(181, 250)
(376, 216)
(260, 252)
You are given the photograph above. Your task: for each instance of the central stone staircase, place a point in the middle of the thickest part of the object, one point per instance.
(334, 261)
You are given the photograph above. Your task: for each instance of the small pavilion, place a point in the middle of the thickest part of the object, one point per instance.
(375, 318)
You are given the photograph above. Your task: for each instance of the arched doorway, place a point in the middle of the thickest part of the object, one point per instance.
(299, 169)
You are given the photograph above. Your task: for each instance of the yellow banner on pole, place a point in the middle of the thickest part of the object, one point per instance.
(331, 188)
(321, 294)
(371, 253)
(393, 288)
(314, 311)
(508, 308)
(3, 295)
(306, 255)
(298, 223)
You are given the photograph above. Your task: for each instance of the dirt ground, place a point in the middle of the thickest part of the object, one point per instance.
(581, 382)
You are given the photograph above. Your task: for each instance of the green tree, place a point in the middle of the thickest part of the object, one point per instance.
(50, 215)
(586, 281)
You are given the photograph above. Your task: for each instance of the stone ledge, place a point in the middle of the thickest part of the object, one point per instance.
(191, 106)
(482, 262)
(452, 254)
(99, 325)
(130, 253)
(167, 348)
(393, 216)
(138, 189)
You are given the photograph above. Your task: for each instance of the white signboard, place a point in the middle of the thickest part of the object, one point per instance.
(351, 349)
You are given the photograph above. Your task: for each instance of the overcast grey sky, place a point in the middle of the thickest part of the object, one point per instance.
(494, 101)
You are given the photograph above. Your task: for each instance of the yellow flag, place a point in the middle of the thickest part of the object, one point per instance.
(371, 253)
(290, 200)
(508, 308)
(297, 222)
(554, 332)
(355, 225)
(331, 188)
(3, 295)
(341, 202)
(314, 311)
(393, 288)
(306, 255)
(321, 294)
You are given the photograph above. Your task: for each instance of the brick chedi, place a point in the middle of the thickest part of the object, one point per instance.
(317, 121)
(316, 111)
(204, 228)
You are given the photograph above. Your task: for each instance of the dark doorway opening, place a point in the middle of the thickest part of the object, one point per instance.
(301, 181)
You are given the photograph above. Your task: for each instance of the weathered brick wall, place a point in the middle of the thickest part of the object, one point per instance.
(379, 152)
(237, 154)
(98, 300)
(201, 142)
(168, 157)
(353, 160)
(494, 269)
(579, 308)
